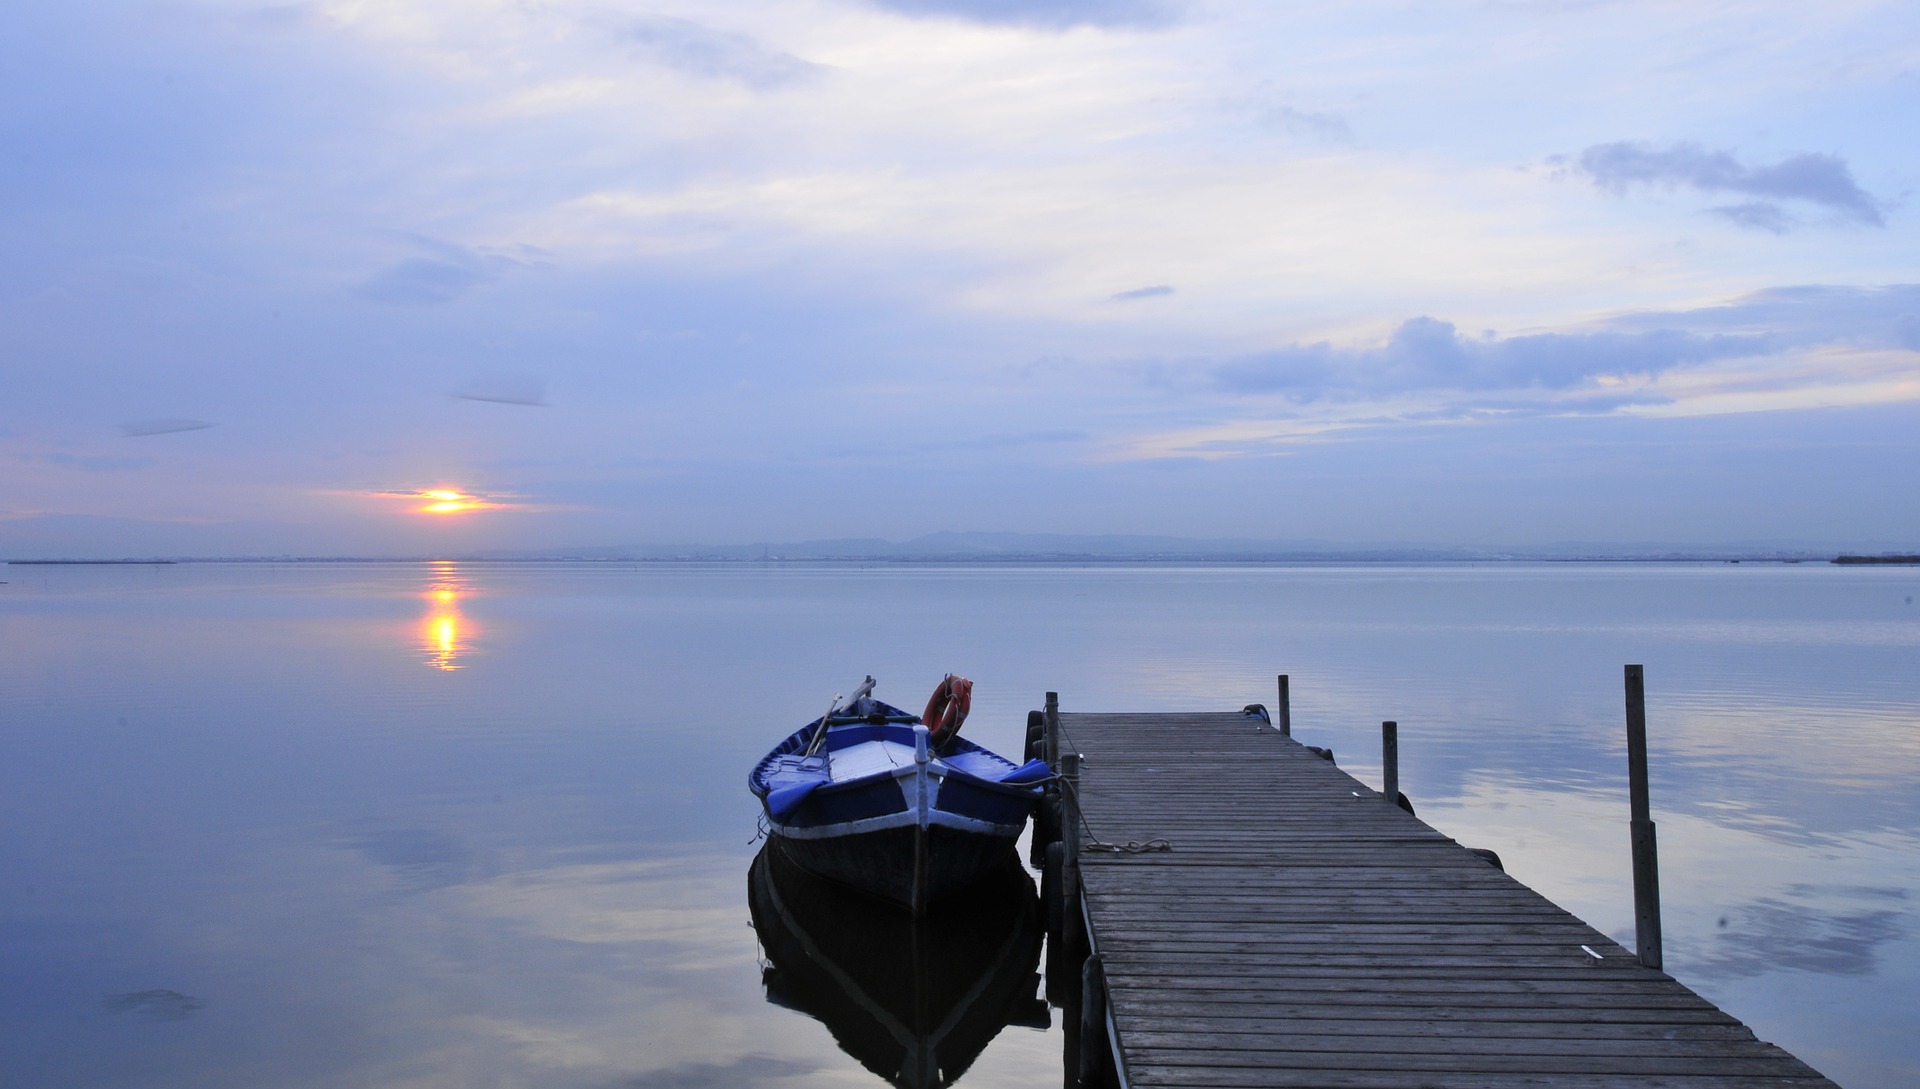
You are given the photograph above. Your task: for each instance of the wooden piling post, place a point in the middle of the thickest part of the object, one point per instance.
(1093, 1022)
(1390, 762)
(1286, 709)
(1070, 824)
(1074, 940)
(1646, 855)
(1052, 746)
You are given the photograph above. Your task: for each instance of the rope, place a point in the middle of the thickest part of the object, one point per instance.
(1131, 847)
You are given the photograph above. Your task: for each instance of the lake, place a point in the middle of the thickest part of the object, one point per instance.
(372, 824)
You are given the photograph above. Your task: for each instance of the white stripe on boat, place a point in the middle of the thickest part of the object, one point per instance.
(908, 819)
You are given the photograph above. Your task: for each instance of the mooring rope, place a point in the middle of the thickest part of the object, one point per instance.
(1131, 847)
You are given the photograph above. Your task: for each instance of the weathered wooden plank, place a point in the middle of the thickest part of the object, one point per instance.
(1229, 877)
(1166, 938)
(1456, 1061)
(1198, 924)
(1116, 889)
(1387, 987)
(1359, 961)
(1171, 942)
(1213, 934)
(1381, 986)
(1332, 1001)
(1252, 1078)
(1420, 1046)
(1301, 929)
(1431, 1020)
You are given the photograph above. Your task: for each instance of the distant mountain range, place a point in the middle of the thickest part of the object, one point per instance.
(1117, 548)
(1018, 548)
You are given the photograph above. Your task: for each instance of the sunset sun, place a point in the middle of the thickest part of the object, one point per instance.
(446, 501)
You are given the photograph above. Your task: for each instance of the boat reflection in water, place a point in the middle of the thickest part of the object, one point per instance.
(915, 1001)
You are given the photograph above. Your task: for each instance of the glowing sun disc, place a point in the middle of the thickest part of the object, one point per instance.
(448, 501)
(445, 501)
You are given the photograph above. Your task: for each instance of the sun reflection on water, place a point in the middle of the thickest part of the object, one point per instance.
(445, 633)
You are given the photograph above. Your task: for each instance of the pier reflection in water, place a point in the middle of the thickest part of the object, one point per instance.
(914, 1001)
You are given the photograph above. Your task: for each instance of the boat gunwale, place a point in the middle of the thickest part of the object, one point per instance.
(756, 779)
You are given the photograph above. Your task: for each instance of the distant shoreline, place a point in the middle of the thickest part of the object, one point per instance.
(92, 563)
(1009, 559)
(1914, 559)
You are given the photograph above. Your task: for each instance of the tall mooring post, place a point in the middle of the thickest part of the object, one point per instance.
(1646, 855)
(1390, 762)
(1285, 719)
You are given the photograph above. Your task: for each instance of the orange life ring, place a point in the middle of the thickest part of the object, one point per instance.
(947, 708)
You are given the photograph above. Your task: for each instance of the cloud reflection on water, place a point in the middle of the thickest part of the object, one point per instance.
(156, 1005)
(421, 859)
(1772, 934)
(530, 968)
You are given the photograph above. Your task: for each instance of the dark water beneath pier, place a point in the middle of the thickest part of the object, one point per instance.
(456, 825)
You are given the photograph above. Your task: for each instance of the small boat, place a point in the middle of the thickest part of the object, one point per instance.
(894, 803)
(915, 999)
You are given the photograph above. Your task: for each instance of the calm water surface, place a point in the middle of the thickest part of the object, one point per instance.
(486, 825)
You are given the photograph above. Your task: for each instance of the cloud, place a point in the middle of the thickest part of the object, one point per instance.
(1784, 348)
(504, 389)
(143, 428)
(449, 500)
(1155, 291)
(448, 272)
(1328, 127)
(1805, 314)
(1045, 14)
(423, 281)
(1428, 354)
(1823, 181)
(1596, 404)
(1757, 215)
(714, 54)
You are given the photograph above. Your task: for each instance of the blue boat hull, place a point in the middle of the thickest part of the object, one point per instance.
(890, 863)
(863, 810)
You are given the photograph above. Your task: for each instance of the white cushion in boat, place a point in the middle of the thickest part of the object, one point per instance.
(869, 758)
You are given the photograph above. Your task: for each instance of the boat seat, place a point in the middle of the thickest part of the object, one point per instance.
(981, 765)
(870, 758)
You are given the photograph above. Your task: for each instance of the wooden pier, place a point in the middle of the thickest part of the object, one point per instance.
(1257, 917)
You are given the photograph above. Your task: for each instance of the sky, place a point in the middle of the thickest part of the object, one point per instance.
(1491, 274)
